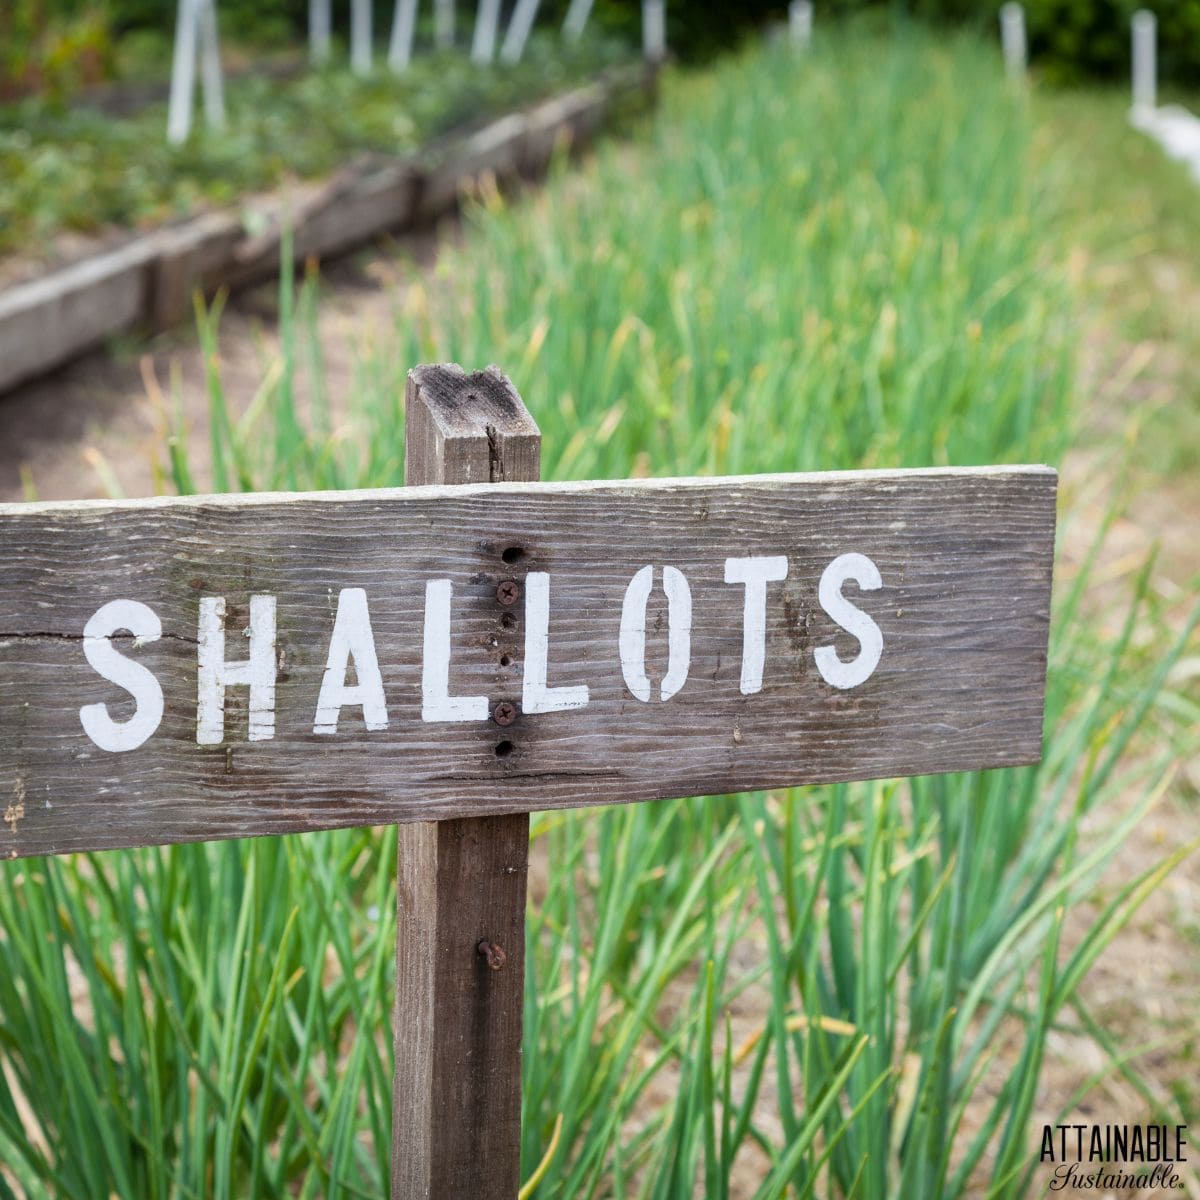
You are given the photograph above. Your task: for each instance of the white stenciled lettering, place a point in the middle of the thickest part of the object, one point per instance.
(755, 573)
(536, 696)
(632, 645)
(215, 674)
(436, 702)
(852, 619)
(133, 677)
(352, 638)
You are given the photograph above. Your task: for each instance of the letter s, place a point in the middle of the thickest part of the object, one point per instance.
(136, 679)
(852, 619)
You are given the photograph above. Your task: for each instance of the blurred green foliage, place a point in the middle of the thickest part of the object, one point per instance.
(52, 47)
(1073, 38)
(57, 45)
(1068, 39)
(75, 168)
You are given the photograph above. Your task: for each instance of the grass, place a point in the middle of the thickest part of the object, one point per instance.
(75, 168)
(845, 260)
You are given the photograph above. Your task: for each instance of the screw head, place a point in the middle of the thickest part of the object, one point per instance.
(504, 713)
(496, 958)
(507, 592)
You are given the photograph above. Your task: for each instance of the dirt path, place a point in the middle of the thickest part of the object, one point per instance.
(1142, 991)
(93, 427)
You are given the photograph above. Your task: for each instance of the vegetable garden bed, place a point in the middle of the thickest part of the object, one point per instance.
(147, 278)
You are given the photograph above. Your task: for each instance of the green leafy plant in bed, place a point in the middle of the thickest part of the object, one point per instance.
(78, 169)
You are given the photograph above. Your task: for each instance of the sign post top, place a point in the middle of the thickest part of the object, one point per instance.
(454, 407)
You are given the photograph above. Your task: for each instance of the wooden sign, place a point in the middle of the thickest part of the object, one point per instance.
(198, 668)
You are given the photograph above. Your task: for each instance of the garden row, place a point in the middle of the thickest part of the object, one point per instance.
(148, 282)
(855, 260)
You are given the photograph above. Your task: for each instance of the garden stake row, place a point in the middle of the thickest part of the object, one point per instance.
(457, 653)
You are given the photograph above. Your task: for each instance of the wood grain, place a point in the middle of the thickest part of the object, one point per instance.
(456, 1113)
(965, 558)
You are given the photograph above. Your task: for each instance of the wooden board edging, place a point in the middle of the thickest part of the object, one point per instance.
(148, 282)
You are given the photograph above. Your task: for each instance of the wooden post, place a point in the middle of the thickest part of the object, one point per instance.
(460, 898)
(1012, 40)
(519, 26)
(195, 32)
(483, 41)
(360, 36)
(183, 73)
(404, 19)
(654, 30)
(576, 19)
(800, 23)
(443, 24)
(320, 21)
(1145, 61)
(210, 65)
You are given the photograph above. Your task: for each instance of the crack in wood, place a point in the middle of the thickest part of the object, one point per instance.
(33, 635)
(495, 465)
(532, 776)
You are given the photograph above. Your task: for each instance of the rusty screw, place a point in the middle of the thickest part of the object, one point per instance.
(507, 592)
(496, 958)
(504, 713)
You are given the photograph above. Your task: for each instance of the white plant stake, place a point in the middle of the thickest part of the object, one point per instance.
(183, 74)
(483, 43)
(576, 19)
(1173, 127)
(443, 24)
(518, 30)
(404, 18)
(654, 29)
(320, 22)
(210, 66)
(1145, 61)
(800, 23)
(360, 36)
(1012, 38)
(195, 28)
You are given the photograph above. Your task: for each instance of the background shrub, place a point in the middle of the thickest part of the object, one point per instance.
(61, 44)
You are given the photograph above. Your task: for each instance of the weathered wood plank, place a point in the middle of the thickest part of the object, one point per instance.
(964, 558)
(569, 120)
(460, 884)
(382, 201)
(476, 1093)
(496, 148)
(188, 255)
(458, 1022)
(358, 203)
(47, 320)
